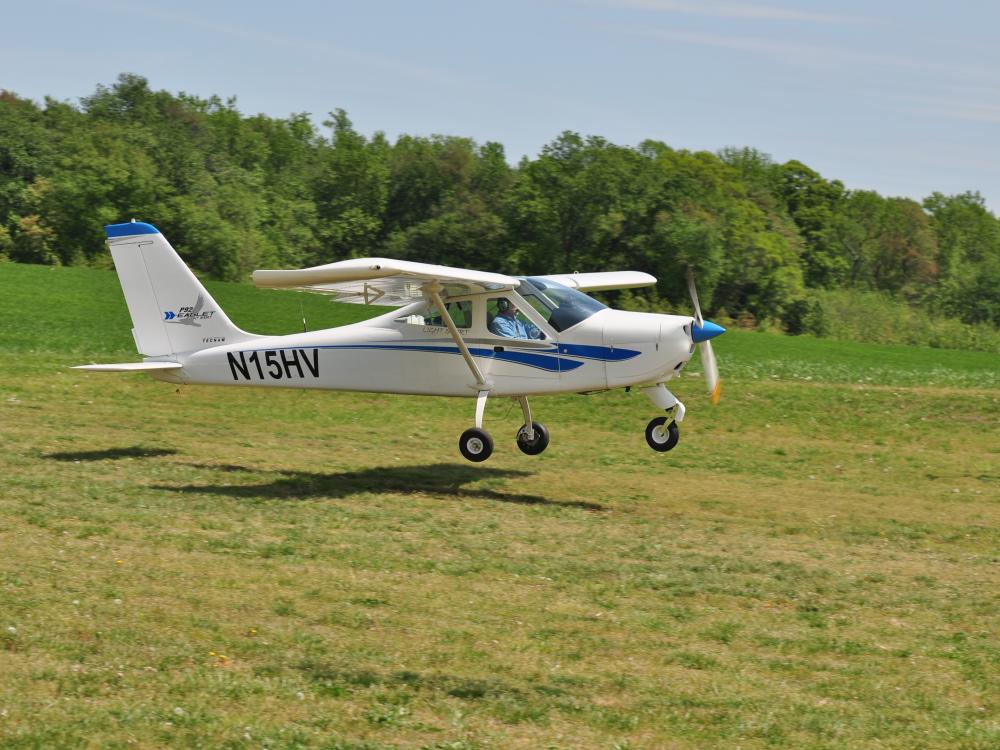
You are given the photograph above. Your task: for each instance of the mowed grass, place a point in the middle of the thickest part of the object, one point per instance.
(814, 566)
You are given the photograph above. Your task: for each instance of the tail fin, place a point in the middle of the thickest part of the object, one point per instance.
(171, 311)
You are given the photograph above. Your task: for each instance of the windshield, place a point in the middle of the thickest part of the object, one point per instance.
(561, 306)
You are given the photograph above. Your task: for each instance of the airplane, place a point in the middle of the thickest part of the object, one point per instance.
(443, 335)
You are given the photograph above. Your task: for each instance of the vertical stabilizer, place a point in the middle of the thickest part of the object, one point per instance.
(172, 313)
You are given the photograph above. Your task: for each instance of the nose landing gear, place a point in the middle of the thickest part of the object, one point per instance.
(662, 433)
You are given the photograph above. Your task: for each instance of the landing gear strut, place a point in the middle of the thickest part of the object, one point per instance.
(476, 444)
(533, 437)
(662, 433)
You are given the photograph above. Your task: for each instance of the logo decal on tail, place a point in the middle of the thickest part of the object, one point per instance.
(189, 316)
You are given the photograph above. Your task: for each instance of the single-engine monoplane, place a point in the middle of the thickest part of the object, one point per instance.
(450, 332)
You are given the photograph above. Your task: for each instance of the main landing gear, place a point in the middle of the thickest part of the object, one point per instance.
(662, 433)
(534, 439)
(476, 444)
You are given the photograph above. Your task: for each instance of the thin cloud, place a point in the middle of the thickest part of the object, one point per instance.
(734, 11)
(955, 109)
(319, 51)
(786, 51)
(904, 156)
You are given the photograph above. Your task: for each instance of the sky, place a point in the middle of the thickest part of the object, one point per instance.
(898, 97)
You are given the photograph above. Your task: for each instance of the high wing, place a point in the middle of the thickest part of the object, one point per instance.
(383, 281)
(596, 282)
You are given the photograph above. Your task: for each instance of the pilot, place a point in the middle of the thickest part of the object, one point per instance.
(507, 324)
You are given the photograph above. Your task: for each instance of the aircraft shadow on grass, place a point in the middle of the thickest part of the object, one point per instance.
(436, 479)
(133, 451)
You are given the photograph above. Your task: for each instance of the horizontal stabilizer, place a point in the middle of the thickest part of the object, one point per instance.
(131, 367)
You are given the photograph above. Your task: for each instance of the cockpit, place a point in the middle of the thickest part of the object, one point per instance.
(505, 316)
(561, 306)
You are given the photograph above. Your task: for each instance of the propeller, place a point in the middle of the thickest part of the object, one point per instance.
(702, 332)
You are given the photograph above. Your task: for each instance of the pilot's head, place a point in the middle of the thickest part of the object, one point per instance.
(506, 308)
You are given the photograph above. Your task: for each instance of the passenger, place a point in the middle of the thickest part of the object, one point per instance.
(506, 323)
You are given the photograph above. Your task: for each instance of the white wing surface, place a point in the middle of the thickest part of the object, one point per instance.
(596, 282)
(130, 367)
(383, 281)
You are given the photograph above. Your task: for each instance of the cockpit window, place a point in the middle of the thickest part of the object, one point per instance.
(460, 312)
(561, 306)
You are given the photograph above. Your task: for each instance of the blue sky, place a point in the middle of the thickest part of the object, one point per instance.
(899, 97)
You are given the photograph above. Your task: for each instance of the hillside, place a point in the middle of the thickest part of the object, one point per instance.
(770, 242)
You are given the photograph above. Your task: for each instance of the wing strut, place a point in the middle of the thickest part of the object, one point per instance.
(433, 290)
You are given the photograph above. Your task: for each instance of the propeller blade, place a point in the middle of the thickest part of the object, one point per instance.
(698, 320)
(711, 369)
(702, 333)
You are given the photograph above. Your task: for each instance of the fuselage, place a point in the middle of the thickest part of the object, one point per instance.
(394, 354)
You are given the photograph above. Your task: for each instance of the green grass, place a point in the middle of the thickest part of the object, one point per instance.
(82, 311)
(814, 566)
(766, 356)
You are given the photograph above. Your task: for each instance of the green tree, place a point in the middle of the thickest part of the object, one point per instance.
(968, 285)
(463, 224)
(886, 243)
(907, 258)
(578, 206)
(854, 235)
(812, 203)
(351, 190)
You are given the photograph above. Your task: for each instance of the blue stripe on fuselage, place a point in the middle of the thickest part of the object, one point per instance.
(603, 353)
(530, 359)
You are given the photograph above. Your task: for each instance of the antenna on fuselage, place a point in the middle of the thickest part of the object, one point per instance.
(302, 309)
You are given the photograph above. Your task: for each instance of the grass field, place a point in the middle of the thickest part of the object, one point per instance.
(816, 565)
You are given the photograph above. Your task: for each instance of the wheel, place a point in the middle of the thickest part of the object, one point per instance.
(476, 444)
(536, 446)
(662, 436)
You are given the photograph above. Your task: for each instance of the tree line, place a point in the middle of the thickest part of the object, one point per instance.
(234, 193)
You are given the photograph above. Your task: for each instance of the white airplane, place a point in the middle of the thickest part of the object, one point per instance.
(451, 332)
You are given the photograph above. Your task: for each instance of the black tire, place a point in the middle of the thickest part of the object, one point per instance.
(536, 446)
(662, 438)
(475, 444)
